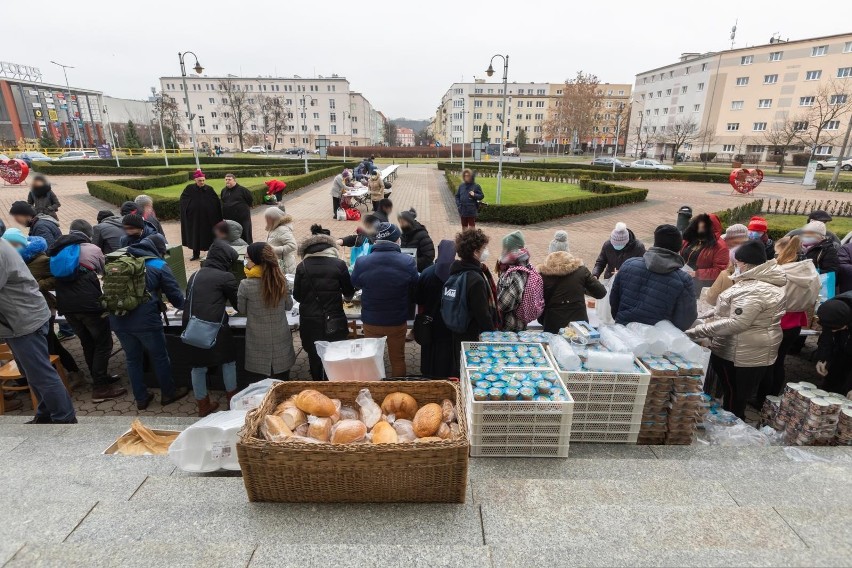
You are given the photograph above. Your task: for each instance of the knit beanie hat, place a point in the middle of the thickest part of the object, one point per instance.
(82, 226)
(619, 236)
(758, 224)
(255, 252)
(668, 237)
(409, 215)
(513, 241)
(387, 232)
(133, 220)
(834, 314)
(751, 252)
(104, 214)
(22, 208)
(559, 242)
(128, 207)
(812, 227)
(15, 235)
(737, 231)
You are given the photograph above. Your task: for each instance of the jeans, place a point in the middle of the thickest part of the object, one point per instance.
(31, 354)
(135, 345)
(96, 338)
(199, 379)
(66, 328)
(395, 343)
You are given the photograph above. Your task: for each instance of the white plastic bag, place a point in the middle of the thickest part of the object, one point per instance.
(611, 362)
(341, 214)
(360, 359)
(603, 311)
(723, 428)
(210, 444)
(250, 397)
(564, 354)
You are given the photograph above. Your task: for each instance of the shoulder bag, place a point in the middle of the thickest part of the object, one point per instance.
(200, 333)
(334, 324)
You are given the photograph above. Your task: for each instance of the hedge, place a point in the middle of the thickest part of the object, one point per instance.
(603, 196)
(245, 171)
(824, 183)
(741, 213)
(394, 151)
(119, 191)
(573, 174)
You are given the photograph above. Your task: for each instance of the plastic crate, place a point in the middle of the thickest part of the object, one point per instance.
(604, 437)
(638, 378)
(560, 451)
(606, 427)
(581, 405)
(513, 427)
(604, 413)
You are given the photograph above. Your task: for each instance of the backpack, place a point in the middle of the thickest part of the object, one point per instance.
(124, 285)
(532, 304)
(65, 263)
(454, 309)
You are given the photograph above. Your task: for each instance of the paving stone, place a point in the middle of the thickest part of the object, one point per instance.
(8, 549)
(611, 451)
(91, 462)
(216, 489)
(34, 519)
(820, 526)
(10, 442)
(374, 556)
(33, 430)
(82, 487)
(151, 553)
(571, 468)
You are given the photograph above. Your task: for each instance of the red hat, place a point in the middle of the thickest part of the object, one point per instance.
(198, 174)
(758, 224)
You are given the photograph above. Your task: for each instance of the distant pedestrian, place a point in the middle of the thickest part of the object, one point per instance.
(42, 197)
(377, 189)
(200, 210)
(236, 205)
(469, 197)
(338, 186)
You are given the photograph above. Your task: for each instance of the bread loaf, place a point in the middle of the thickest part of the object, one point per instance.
(274, 428)
(348, 431)
(400, 404)
(427, 420)
(384, 433)
(314, 402)
(293, 417)
(429, 439)
(444, 431)
(348, 413)
(448, 410)
(320, 429)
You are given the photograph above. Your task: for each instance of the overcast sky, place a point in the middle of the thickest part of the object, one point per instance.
(402, 55)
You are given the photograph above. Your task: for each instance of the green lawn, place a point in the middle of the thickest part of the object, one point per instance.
(839, 225)
(216, 183)
(521, 191)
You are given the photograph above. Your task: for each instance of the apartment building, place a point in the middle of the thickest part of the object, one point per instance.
(405, 136)
(315, 107)
(737, 97)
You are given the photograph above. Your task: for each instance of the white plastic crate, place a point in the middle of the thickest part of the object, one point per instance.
(582, 405)
(606, 427)
(603, 413)
(638, 378)
(513, 426)
(605, 437)
(560, 451)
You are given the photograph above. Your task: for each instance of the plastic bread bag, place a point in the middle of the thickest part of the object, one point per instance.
(348, 413)
(723, 428)
(603, 310)
(210, 444)
(405, 430)
(360, 359)
(251, 396)
(371, 413)
(564, 353)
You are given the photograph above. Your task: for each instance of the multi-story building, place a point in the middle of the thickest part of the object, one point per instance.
(466, 108)
(737, 98)
(314, 108)
(404, 136)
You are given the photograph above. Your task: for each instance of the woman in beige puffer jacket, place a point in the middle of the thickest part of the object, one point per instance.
(377, 189)
(745, 326)
(280, 236)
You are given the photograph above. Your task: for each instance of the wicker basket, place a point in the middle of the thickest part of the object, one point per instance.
(327, 473)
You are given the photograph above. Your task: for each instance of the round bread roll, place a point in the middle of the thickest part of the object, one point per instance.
(320, 429)
(314, 402)
(400, 404)
(348, 431)
(384, 433)
(293, 417)
(427, 420)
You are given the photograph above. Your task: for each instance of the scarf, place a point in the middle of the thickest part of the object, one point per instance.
(255, 271)
(513, 258)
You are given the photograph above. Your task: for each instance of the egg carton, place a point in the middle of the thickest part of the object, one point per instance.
(559, 451)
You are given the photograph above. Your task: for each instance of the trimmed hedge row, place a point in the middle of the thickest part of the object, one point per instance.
(572, 175)
(741, 213)
(603, 196)
(245, 171)
(119, 191)
(842, 185)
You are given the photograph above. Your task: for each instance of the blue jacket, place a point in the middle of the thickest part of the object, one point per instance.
(158, 280)
(653, 288)
(147, 231)
(467, 205)
(386, 278)
(46, 227)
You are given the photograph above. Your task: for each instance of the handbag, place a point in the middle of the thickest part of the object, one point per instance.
(198, 332)
(334, 324)
(423, 329)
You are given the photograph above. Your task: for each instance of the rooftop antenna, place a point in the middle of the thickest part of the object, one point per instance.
(734, 32)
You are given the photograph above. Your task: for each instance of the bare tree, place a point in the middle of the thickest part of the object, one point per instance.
(615, 121)
(684, 131)
(167, 112)
(831, 102)
(237, 107)
(273, 117)
(573, 116)
(782, 135)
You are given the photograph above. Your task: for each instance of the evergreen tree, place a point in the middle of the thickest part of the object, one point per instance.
(131, 136)
(46, 140)
(521, 139)
(485, 137)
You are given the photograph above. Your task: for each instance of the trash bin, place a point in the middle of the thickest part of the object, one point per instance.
(684, 215)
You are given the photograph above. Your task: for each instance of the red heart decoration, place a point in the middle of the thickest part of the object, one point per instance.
(744, 180)
(14, 171)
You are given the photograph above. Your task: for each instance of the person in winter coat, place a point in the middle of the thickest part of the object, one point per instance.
(822, 217)
(513, 268)
(468, 197)
(263, 297)
(39, 224)
(279, 228)
(42, 198)
(208, 290)
(322, 281)
(819, 248)
(387, 277)
(384, 211)
(366, 233)
(704, 252)
(128, 207)
(801, 294)
(757, 231)
(472, 250)
(338, 186)
(559, 242)
(78, 298)
(622, 244)
(275, 188)
(24, 319)
(140, 331)
(655, 288)
(236, 205)
(135, 229)
(834, 351)
(745, 326)
(415, 236)
(736, 235)
(844, 267)
(108, 232)
(33, 251)
(566, 283)
(436, 355)
(377, 189)
(200, 210)
(230, 231)
(145, 207)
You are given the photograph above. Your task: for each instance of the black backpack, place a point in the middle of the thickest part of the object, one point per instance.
(454, 307)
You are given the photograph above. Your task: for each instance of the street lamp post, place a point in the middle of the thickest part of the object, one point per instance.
(198, 71)
(464, 123)
(617, 133)
(68, 104)
(345, 139)
(305, 108)
(160, 122)
(490, 72)
(112, 137)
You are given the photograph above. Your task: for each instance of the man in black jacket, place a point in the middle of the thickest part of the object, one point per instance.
(834, 352)
(415, 236)
(236, 205)
(145, 207)
(108, 232)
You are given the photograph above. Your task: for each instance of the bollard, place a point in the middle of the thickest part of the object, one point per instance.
(684, 215)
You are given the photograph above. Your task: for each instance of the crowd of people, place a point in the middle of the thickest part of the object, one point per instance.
(757, 294)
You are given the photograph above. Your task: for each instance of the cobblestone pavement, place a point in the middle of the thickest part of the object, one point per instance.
(423, 188)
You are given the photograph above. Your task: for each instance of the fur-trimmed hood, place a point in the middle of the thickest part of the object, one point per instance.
(559, 263)
(315, 244)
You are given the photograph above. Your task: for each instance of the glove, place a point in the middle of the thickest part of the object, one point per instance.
(822, 368)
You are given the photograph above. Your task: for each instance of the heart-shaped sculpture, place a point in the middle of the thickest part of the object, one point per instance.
(744, 180)
(14, 171)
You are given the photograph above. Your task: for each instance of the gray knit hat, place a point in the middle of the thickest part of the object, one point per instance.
(559, 242)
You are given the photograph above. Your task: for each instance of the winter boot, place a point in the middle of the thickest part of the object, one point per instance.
(206, 407)
(229, 395)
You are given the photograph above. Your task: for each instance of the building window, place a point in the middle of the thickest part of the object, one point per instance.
(656, 112)
(651, 95)
(621, 92)
(680, 108)
(736, 105)
(819, 50)
(800, 125)
(764, 103)
(847, 47)
(477, 104)
(696, 108)
(733, 126)
(776, 56)
(331, 103)
(683, 90)
(729, 147)
(666, 110)
(746, 59)
(211, 100)
(704, 67)
(539, 104)
(199, 107)
(832, 125)
(700, 86)
(824, 150)
(668, 92)
(844, 72)
(316, 116)
(201, 121)
(813, 75)
(758, 126)
(477, 116)
(838, 99)
(332, 117)
(742, 81)
(806, 101)
(540, 92)
(333, 129)
(770, 79)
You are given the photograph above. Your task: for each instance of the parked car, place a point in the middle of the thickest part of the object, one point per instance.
(30, 157)
(513, 151)
(256, 150)
(831, 163)
(296, 151)
(608, 162)
(649, 165)
(78, 155)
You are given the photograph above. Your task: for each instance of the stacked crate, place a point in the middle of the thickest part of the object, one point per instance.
(675, 403)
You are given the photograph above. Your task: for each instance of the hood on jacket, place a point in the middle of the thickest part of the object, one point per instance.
(72, 238)
(559, 263)
(315, 244)
(414, 226)
(768, 272)
(221, 256)
(445, 259)
(144, 248)
(42, 190)
(802, 273)
(114, 220)
(716, 223)
(662, 261)
(34, 247)
(235, 230)
(44, 217)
